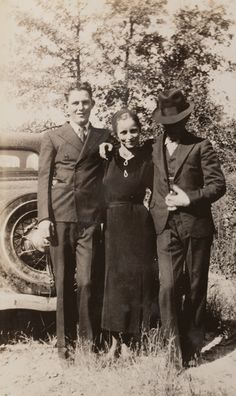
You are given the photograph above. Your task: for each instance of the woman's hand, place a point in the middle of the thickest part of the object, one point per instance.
(105, 149)
(147, 198)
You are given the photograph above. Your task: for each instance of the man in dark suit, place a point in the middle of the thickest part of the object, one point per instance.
(187, 180)
(69, 212)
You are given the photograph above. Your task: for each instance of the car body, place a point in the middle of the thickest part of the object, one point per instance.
(23, 269)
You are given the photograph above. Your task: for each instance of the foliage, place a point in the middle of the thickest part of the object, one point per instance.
(189, 60)
(127, 58)
(223, 257)
(140, 61)
(119, 37)
(53, 55)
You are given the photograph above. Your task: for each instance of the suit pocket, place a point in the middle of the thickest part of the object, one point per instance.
(61, 194)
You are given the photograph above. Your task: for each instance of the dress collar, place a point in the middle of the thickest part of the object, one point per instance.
(125, 153)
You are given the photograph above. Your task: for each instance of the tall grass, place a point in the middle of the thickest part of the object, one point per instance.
(146, 372)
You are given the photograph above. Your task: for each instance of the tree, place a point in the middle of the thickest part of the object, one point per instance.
(118, 37)
(192, 55)
(53, 56)
(127, 58)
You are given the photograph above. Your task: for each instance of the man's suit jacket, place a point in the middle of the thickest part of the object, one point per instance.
(70, 176)
(198, 173)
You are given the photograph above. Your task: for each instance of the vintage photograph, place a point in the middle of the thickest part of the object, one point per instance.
(118, 190)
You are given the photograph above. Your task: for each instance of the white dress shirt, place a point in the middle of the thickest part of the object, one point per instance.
(81, 131)
(171, 145)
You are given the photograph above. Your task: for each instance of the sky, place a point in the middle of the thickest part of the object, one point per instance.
(222, 87)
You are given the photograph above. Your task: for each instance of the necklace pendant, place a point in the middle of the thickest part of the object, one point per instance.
(125, 162)
(125, 173)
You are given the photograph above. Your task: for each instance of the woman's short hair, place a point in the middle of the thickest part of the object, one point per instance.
(124, 114)
(79, 86)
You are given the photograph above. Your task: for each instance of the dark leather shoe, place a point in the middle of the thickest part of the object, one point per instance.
(192, 361)
(66, 354)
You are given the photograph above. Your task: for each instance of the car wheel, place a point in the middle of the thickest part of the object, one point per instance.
(27, 269)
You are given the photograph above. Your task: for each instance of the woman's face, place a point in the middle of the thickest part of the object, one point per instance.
(128, 133)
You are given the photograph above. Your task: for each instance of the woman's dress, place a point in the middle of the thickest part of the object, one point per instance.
(130, 279)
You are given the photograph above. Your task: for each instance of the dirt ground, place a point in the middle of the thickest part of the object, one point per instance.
(33, 369)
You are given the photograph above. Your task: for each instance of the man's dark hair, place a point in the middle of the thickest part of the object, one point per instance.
(79, 86)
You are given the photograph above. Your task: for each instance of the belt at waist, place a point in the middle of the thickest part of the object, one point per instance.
(123, 203)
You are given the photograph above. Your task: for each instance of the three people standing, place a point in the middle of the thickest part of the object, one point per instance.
(184, 180)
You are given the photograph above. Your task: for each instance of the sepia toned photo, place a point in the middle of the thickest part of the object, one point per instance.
(118, 188)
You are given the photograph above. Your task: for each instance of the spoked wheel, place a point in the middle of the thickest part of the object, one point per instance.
(26, 267)
(20, 239)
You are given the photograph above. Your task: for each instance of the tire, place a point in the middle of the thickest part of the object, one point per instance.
(26, 269)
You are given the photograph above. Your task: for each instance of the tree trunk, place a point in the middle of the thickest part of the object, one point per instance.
(127, 60)
(78, 57)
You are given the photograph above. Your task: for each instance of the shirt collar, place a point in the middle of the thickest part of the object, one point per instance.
(77, 128)
(168, 140)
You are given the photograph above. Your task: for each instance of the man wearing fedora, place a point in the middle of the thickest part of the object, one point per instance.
(187, 180)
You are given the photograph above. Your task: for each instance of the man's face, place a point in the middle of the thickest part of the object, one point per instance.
(79, 106)
(177, 128)
(171, 129)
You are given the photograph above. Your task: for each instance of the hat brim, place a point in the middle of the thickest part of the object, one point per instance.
(171, 119)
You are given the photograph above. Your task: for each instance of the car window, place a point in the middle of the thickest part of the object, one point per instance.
(9, 161)
(18, 161)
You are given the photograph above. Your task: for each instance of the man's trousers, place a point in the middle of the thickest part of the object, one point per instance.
(183, 271)
(78, 273)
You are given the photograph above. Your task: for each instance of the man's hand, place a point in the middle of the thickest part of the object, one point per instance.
(104, 149)
(177, 199)
(44, 228)
(39, 237)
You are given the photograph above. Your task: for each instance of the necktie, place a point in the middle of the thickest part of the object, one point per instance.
(81, 134)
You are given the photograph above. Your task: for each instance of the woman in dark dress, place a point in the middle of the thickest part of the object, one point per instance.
(130, 290)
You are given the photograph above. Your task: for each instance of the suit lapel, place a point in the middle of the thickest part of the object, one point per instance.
(160, 158)
(182, 154)
(67, 133)
(94, 138)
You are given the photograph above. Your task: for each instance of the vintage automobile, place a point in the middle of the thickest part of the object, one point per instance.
(24, 270)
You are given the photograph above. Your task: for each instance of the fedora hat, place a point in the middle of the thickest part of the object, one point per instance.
(172, 107)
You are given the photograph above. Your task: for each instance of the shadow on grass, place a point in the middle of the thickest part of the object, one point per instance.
(18, 324)
(221, 345)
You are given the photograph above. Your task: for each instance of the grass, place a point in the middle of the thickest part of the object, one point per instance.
(32, 367)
